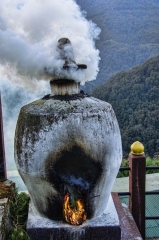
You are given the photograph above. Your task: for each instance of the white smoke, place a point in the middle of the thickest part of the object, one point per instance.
(29, 31)
(13, 98)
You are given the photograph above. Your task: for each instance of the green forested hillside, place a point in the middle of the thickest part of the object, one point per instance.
(134, 95)
(129, 36)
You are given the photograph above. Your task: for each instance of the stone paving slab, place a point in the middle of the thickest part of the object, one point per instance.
(122, 184)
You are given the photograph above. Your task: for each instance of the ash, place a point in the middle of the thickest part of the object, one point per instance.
(67, 97)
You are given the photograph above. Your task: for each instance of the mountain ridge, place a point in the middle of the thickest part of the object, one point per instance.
(129, 36)
(134, 96)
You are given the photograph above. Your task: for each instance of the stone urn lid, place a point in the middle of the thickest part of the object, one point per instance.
(62, 82)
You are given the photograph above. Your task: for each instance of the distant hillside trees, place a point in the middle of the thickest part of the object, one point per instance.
(129, 36)
(134, 95)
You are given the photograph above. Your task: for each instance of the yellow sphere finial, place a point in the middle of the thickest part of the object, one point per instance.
(137, 148)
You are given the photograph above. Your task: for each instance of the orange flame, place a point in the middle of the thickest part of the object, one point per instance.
(75, 216)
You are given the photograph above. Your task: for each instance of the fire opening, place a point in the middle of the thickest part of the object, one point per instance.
(73, 213)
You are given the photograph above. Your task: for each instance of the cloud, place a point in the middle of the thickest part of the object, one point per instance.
(29, 31)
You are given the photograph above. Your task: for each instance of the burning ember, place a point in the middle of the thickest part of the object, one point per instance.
(75, 215)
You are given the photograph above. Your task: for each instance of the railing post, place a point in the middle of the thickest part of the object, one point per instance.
(3, 172)
(137, 164)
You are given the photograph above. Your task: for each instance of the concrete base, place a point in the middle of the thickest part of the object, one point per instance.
(105, 227)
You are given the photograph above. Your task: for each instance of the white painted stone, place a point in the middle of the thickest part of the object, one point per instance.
(109, 218)
(46, 128)
(108, 223)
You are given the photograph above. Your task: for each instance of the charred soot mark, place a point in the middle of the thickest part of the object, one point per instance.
(75, 168)
(72, 97)
(54, 208)
(75, 172)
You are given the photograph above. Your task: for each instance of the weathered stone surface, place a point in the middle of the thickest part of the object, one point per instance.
(74, 144)
(101, 228)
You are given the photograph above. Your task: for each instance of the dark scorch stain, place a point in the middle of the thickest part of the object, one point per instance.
(74, 171)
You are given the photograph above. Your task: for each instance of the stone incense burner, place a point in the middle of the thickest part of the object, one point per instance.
(68, 151)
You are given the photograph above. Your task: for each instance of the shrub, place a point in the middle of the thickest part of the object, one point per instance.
(18, 212)
(149, 162)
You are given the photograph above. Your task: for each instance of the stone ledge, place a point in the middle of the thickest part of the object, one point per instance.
(104, 227)
(129, 229)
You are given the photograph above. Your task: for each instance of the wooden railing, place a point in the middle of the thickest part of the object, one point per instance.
(137, 171)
